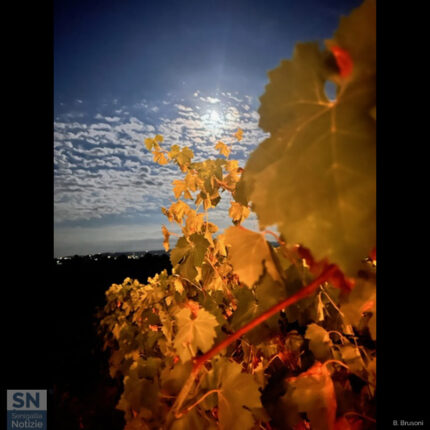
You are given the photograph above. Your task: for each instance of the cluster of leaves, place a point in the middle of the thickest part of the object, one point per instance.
(313, 363)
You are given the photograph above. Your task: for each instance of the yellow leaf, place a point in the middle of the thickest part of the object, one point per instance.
(166, 235)
(174, 151)
(249, 253)
(207, 204)
(232, 166)
(149, 143)
(178, 285)
(160, 158)
(222, 148)
(158, 138)
(179, 187)
(208, 237)
(239, 134)
(212, 228)
(178, 210)
(220, 245)
(194, 334)
(192, 181)
(182, 157)
(167, 213)
(238, 212)
(194, 222)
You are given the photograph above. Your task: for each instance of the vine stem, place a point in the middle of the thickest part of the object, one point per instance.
(223, 184)
(198, 362)
(188, 409)
(278, 239)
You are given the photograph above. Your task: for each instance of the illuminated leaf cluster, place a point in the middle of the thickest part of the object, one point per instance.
(314, 179)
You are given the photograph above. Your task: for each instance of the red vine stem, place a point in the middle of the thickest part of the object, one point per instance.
(306, 291)
(199, 361)
(278, 239)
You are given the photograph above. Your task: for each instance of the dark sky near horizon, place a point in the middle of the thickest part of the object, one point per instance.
(190, 70)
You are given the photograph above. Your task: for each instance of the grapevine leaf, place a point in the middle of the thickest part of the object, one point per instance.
(181, 156)
(222, 148)
(149, 143)
(232, 166)
(247, 310)
(238, 212)
(194, 334)
(315, 177)
(158, 138)
(237, 391)
(145, 368)
(303, 311)
(167, 325)
(213, 308)
(247, 307)
(312, 392)
(190, 253)
(138, 393)
(173, 379)
(179, 287)
(194, 222)
(166, 235)
(181, 248)
(248, 252)
(160, 158)
(179, 187)
(239, 134)
(319, 342)
(239, 193)
(352, 358)
(178, 210)
(268, 293)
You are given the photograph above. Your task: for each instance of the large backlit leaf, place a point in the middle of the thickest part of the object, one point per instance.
(315, 176)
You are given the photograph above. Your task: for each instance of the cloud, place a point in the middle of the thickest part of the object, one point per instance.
(112, 118)
(103, 170)
(210, 99)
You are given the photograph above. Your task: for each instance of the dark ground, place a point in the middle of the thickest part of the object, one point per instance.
(83, 396)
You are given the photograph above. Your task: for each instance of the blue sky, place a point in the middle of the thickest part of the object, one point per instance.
(127, 70)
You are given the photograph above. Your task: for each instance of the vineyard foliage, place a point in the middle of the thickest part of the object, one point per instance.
(181, 343)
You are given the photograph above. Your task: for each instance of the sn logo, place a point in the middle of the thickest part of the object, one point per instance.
(26, 399)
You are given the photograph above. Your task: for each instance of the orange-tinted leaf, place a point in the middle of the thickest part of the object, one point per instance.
(222, 148)
(312, 392)
(239, 134)
(166, 235)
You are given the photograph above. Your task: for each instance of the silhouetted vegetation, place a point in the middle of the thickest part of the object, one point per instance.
(84, 396)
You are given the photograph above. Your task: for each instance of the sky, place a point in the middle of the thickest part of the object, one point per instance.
(190, 70)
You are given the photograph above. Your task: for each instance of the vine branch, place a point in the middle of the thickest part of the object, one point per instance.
(198, 362)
